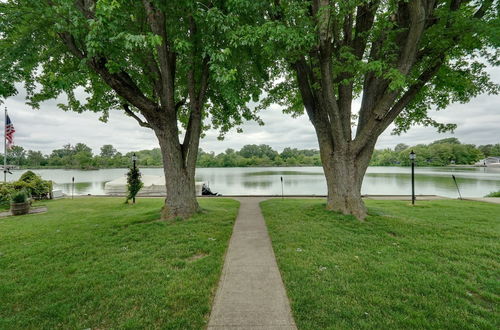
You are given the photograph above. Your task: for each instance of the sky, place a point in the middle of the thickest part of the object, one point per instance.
(50, 128)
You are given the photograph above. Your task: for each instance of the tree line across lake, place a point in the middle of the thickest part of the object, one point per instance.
(438, 153)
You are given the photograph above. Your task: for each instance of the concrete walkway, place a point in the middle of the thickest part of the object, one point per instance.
(251, 294)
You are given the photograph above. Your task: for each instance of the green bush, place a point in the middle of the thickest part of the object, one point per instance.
(21, 185)
(30, 183)
(29, 176)
(19, 196)
(6, 191)
(34, 185)
(493, 194)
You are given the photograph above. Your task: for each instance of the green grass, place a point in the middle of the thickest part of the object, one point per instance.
(98, 263)
(434, 266)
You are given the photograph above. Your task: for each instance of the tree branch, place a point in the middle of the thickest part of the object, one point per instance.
(328, 100)
(70, 42)
(133, 115)
(197, 87)
(151, 66)
(416, 23)
(179, 104)
(156, 19)
(205, 72)
(365, 16)
(376, 127)
(123, 85)
(483, 9)
(377, 96)
(408, 96)
(192, 137)
(191, 75)
(121, 82)
(312, 100)
(87, 7)
(308, 98)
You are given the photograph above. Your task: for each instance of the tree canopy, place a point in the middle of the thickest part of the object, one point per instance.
(400, 58)
(109, 53)
(174, 66)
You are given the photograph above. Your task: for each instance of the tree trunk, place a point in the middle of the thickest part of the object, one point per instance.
(344, 174)
(179, 179)
(344, 186)
(181, 194)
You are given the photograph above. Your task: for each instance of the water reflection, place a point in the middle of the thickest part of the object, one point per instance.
(278, 172)
(296, 180)
(82, 188)
(440, 183)
(257, 184)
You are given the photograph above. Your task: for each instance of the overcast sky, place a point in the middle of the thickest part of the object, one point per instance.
(50, 128)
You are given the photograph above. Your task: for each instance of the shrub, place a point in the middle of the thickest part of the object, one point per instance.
(21, 185)
(30, 183)
(29, 176)
(34, 185)
(19, 196)
(6, 191)
(134, 183)
(493, 194)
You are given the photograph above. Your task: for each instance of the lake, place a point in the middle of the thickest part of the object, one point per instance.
(473, 182)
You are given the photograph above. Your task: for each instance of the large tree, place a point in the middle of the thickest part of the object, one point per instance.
(167, 64)
(399, 58)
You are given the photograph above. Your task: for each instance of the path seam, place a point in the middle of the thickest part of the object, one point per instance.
(251, 294)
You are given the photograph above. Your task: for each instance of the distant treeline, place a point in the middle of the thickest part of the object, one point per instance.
(81, 156)
(438, 153)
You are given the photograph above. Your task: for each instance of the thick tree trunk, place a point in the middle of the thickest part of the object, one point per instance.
(181, 194)
(344, 181)
(344, 172)
(179, 180)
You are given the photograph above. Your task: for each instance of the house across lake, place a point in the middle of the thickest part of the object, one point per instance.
(493, 161)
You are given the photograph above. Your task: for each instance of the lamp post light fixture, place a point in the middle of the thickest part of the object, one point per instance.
(413, 156)
(134, 160)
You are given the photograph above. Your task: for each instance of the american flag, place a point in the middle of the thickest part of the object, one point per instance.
(9, 132)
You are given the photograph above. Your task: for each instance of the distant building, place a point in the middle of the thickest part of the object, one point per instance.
(490, 161)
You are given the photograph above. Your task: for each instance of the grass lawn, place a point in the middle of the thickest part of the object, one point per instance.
(435, 265)
(98, 263)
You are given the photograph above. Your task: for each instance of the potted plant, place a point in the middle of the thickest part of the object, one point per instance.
(20, 203)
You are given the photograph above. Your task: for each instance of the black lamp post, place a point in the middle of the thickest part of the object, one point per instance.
(412, 158)
(134, 160)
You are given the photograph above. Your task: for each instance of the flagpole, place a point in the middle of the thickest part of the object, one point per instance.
(5, 148)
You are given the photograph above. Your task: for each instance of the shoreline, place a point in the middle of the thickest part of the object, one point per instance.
(263, 166)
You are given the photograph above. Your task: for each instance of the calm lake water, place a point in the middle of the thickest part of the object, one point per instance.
(473, 182)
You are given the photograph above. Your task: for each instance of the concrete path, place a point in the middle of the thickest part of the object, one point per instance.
(251, 294)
